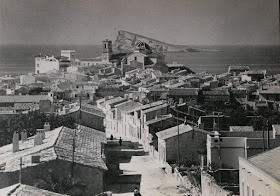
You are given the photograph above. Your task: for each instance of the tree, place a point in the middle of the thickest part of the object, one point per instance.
(31, 121)
(63, 184)
(35, 91)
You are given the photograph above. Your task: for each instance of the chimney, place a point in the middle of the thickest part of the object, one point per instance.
(47, 126)
(202, 163)
(38, 139)
(23, 135)
(215, 126)
(41, 133)
(15, 142)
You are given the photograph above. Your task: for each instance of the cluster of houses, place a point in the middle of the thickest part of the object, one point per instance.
(159, 106)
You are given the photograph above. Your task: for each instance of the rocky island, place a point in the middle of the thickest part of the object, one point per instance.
(126, 41)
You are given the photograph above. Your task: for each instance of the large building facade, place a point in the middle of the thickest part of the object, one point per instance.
(45, 63)
(260, 175)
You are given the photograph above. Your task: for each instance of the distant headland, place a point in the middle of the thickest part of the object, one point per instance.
(126, 41)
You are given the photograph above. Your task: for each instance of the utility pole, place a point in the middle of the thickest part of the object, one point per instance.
(267, 123)
(73, 155)
(20, 170)
(176, 107)
(193, 123)
(218, 124)
(263, 139)
(80, 110)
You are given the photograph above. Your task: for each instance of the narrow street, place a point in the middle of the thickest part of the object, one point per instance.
(130, 167)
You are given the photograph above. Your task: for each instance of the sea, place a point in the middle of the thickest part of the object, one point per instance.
(19, 59)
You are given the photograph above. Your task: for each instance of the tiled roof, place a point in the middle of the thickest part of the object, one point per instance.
(26, 106)
(183, 91)
(87, 147)
(268, 162)
(26, 190)
(241, 128)
(57, 144)
(173, 131)
(23, 98)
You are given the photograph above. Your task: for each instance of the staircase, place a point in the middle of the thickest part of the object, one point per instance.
(119, 181)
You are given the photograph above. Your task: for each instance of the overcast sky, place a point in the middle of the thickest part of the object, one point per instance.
(187, 22)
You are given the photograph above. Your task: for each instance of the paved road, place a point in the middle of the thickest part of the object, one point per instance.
(130, 167)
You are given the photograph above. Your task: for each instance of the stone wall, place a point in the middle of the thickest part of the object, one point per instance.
(210, 187)
(90, 120)
(188, 146)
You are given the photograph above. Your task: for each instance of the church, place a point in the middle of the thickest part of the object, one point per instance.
(141, 58)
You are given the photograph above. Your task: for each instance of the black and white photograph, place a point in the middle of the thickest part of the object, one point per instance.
(139, 97)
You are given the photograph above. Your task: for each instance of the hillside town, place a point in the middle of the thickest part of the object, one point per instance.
(129, 121)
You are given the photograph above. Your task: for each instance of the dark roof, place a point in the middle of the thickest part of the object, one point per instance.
(183, 91)
(117, 56)
(216, 92)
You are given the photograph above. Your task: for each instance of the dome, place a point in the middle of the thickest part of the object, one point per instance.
(142, 46)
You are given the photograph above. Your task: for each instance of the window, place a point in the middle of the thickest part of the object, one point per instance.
(105, 46)
(37, 71)
(253, 192)
(135, 58)
(37, 65)
(248, 191)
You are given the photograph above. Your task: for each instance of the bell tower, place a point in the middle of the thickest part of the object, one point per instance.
(106, 50)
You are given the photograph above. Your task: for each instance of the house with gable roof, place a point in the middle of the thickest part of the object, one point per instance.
(190, 141)
(64, 151)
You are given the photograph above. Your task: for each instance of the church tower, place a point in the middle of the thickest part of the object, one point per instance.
(106, 50)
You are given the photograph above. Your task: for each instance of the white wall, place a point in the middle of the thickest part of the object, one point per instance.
(45, 64)
(254, 179)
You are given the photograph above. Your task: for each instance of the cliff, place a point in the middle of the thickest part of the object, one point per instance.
(126, 41)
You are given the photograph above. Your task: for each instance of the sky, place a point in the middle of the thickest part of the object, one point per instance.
(184, 22)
